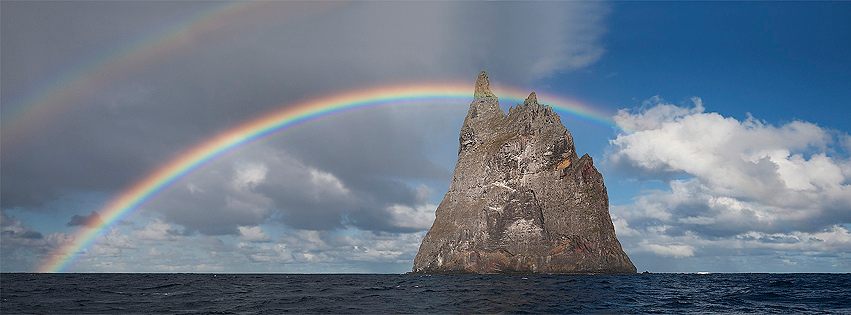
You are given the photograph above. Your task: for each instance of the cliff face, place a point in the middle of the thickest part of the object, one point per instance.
(521, 199)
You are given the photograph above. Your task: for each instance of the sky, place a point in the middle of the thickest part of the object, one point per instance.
(728, 149)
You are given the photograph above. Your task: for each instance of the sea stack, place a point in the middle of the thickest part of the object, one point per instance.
(521, 200)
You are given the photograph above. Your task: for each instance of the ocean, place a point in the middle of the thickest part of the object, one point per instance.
(22, 293)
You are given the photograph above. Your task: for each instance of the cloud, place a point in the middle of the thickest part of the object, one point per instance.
(326, 184)
(248, 176)
(22, 247)
(266, 184)
(768, 176)
(360, 171)
(252, 234)
(11, 228)
(112, 244)
(834, 239)
(140, 118)
(91, 220)
(622, 227)
(673, 250)
(418, 217)
(158, 231)
(730, 183)
(330, 247)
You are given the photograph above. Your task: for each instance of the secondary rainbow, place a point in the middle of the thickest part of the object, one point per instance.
(57, 94)
(285, 117)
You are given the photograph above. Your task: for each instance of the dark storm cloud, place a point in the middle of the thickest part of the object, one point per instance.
(78, 150)
(252, 63)
(43, 39)
(248, 65)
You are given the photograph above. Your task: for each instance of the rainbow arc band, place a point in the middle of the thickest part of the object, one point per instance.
(53, 97)
(276, 121)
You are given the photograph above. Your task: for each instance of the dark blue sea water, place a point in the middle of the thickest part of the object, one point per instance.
(370, 294)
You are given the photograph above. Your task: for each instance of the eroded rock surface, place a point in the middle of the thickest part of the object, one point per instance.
(521, 199)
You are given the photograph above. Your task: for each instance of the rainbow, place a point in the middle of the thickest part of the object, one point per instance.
(52, 97)
(55, 96)
(285, 117)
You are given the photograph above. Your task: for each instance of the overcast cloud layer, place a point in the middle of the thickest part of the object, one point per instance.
(734, 188)
(342, 192)
(250, 65)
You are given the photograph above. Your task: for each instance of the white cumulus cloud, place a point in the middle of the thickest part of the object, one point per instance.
(249, 175)
(415, 217)
(673, 250)
(326, 183)
(157, 230)
(252, 234)
(731, 183)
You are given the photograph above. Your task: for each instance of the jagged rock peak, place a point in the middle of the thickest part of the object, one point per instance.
(531, 99)
(521, 199)
(483, 86)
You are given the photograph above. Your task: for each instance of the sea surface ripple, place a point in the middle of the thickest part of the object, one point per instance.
(22, 293)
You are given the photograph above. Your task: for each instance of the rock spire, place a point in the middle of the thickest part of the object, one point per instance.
(521, 200)
(483, 88)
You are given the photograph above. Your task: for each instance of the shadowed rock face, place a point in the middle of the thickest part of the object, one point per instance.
(521, 200)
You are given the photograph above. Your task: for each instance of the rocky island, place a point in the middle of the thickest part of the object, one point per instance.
(521, 200)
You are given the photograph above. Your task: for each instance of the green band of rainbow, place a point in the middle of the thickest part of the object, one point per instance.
(287, 116)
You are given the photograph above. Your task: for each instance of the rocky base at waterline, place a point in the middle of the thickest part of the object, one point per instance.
(521, 200)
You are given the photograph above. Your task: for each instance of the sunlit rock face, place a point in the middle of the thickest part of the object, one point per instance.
(521, 200)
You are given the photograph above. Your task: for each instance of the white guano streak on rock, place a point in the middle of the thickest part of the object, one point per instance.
(503, 185)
